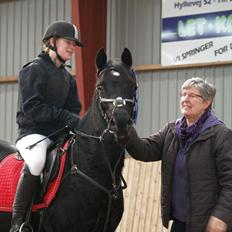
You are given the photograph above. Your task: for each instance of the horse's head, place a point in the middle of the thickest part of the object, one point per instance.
(116, 93)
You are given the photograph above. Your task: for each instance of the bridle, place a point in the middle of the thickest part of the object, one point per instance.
(117, 102)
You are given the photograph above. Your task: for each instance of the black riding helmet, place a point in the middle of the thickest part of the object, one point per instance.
(64, 30)
(61, 29)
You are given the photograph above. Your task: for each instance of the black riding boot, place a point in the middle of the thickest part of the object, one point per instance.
(24, 196)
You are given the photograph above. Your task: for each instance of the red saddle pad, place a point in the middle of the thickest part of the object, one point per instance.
(10, 169)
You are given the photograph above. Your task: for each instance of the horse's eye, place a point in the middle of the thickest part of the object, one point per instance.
(101, 91)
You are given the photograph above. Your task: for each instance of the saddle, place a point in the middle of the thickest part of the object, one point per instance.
(6, 148)
(10, 169)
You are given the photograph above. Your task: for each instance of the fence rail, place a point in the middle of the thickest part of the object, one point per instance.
(146, 68)
(8, 79)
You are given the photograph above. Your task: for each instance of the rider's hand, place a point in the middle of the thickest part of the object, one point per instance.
(73, 121)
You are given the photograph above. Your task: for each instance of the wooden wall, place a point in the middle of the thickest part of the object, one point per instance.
(142, 203)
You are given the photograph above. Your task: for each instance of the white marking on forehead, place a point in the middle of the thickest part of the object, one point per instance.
(115, 73)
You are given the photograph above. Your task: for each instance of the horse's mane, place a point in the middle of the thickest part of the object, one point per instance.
(92, 115)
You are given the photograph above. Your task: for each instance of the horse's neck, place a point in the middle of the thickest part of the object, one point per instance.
(93, 122)
(96, 151)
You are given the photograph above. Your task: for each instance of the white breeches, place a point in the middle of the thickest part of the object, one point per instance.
(35, 157)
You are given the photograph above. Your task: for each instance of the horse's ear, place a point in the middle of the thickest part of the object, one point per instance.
(101, 59)
(126, 57)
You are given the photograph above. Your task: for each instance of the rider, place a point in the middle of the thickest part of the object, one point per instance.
(48, 102)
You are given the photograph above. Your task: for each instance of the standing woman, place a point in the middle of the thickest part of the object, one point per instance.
(196, 163)
(48, 101)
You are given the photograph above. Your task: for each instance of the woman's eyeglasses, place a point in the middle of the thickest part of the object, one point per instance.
(190, 95)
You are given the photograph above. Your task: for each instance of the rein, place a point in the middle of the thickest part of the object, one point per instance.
(112, 193)
(74, 169)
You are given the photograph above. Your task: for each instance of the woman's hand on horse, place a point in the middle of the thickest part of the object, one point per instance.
(125, 140)
(216, 225)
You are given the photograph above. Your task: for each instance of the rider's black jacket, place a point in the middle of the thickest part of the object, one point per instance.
(48, 98)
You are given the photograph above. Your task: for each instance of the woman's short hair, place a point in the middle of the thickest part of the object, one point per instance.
(206, 89)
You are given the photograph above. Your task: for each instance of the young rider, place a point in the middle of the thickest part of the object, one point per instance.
(48, 101)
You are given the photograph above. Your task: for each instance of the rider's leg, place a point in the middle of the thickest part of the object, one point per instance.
(30, 177)
(24, 196)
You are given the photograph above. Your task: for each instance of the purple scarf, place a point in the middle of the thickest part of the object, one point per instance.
(187, 134)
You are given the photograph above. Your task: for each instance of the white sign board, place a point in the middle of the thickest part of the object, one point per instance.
(196, 31)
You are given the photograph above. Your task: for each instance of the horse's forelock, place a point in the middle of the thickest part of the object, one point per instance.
(117, 66)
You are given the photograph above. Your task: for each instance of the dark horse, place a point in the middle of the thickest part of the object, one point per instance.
(90, 197)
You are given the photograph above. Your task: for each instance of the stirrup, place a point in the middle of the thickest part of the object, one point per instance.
(26, 225)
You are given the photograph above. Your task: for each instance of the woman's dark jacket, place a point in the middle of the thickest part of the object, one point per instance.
(209, 172)
(48, 99)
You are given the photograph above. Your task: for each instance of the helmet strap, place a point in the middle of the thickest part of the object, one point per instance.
(54, 48)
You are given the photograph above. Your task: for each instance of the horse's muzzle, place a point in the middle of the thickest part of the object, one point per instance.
(120, 124)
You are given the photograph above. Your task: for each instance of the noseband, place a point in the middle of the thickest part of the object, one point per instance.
(117, 103)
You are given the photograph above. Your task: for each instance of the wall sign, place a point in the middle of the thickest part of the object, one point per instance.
(196, 31)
